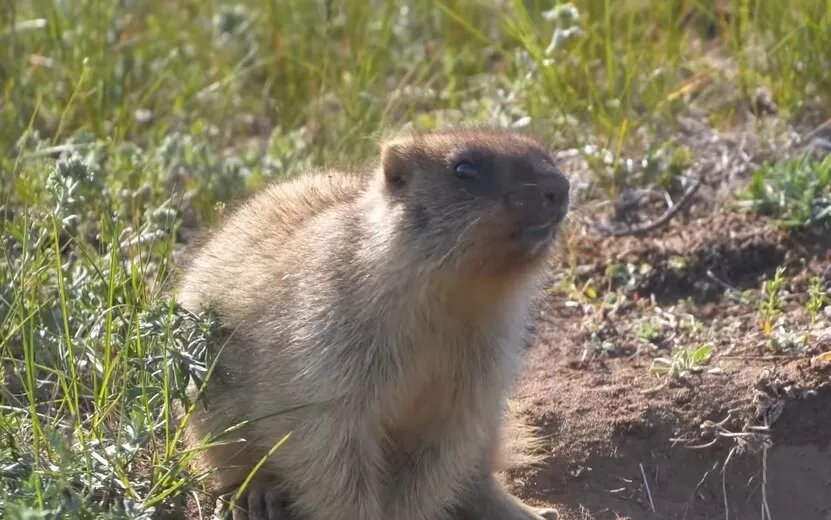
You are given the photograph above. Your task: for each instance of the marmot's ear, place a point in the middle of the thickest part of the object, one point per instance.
(397, 162)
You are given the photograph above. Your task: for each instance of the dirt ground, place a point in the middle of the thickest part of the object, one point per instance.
(748, 437)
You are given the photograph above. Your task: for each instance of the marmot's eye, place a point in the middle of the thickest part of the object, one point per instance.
(466, 170)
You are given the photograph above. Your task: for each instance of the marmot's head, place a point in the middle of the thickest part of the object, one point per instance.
(480, 202)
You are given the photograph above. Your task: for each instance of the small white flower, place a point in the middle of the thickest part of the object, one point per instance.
(563, 13)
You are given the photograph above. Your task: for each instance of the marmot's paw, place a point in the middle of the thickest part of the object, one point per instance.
(261, 502)
(549, 513)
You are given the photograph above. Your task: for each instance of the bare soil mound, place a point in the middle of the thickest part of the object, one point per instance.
(748, 436)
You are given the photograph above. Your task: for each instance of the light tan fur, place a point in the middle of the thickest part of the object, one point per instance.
(378, 319)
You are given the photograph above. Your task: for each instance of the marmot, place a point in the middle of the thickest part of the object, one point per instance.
(378, 319)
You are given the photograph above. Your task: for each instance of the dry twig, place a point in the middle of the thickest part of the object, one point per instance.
(669, 214)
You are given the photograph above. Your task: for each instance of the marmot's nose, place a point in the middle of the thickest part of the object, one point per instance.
(544, 196)
(555, 187)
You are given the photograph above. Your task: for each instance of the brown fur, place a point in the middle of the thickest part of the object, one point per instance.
(378, 319)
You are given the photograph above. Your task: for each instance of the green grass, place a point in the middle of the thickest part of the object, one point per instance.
(797, 193)
(683, 363)
(126, 125)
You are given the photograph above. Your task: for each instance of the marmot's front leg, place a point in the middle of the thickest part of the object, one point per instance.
(488, 500)
(331, 462)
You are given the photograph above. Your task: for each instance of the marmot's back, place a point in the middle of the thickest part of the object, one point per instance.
(249, 249)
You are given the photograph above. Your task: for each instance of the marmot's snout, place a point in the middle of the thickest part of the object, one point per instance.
(540, 202)
(540, 196)
(555, 188)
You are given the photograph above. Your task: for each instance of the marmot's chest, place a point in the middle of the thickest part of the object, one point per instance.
(454, 389)
(428, 406)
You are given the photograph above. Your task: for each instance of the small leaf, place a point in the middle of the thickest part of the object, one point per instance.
(590, 292)
(825, 357)
(702, 353)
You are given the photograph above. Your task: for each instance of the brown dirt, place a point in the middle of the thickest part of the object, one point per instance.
(621, 442)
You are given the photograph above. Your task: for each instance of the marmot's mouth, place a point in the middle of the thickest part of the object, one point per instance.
(534, 239)
(540, 230)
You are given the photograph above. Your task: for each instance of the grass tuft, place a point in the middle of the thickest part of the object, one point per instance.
(797, 193)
